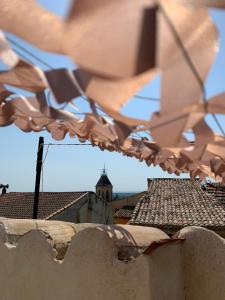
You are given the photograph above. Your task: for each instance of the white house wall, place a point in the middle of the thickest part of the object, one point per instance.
(88, 209)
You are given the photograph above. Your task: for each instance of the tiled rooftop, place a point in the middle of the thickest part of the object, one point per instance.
(125, 212)
(215, 189)
(175, 203)
(20, 205)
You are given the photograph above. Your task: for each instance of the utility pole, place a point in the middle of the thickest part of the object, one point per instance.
(38, 176)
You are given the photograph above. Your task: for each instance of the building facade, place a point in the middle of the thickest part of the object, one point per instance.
(76, 207)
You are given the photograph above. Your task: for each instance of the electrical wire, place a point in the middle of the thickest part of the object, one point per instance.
(46, 153)
(75, 144)
(147, 98)
(22, 55)
(51, 67)
(168, 122)
(29, 53)
(190, 63)
(83, 96)
(180, 44)
(218, 124)
(184, 51)
(42, 167)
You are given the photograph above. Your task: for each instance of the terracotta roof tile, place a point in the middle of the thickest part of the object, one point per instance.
(124, 212)
(20, 205)
(216, 189)
(175, 203)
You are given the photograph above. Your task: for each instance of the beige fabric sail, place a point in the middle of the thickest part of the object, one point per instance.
(112, 38)
(204, 135)
(120, 46)
(109, 93)
(180, 86)
(5, 111)
(30, 21)
(24, 76)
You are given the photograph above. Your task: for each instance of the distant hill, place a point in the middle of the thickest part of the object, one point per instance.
(122, 195)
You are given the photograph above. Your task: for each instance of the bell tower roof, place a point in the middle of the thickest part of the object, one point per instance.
(103, 180)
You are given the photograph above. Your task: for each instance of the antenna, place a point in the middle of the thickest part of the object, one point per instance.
(4, 187)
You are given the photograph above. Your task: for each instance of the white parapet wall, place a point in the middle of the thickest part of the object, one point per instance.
(46, 260)
(203, 263)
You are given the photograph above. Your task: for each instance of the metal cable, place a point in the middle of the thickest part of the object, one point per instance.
(190, 63)
(147, 98)
(30, 53)
(75, 144)
(180, 44)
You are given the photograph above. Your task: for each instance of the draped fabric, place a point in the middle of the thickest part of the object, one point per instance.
(119, 46)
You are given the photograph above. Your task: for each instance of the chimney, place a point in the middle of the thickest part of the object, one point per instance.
(4, 187)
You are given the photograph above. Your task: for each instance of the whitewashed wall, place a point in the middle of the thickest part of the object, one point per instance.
(56, 260)
(203, 263)
(89, 209)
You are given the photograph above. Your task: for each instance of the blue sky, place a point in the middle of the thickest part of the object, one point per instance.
(70, 168)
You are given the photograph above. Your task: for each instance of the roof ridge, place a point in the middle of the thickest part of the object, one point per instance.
(66, 206)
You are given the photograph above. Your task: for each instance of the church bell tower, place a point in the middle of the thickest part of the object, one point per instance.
(104, 187)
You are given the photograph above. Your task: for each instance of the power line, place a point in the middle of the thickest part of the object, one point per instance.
(42, 62)
(147, 98)
(218, 123)
(21, 55)
(75, 144)
(190, 63)
(184, 51)
(46, 153)
(39, 60)
(84, 113)
(51, 67)
(180, 44)
(29, 53)
(168, 122)
(42, 173)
